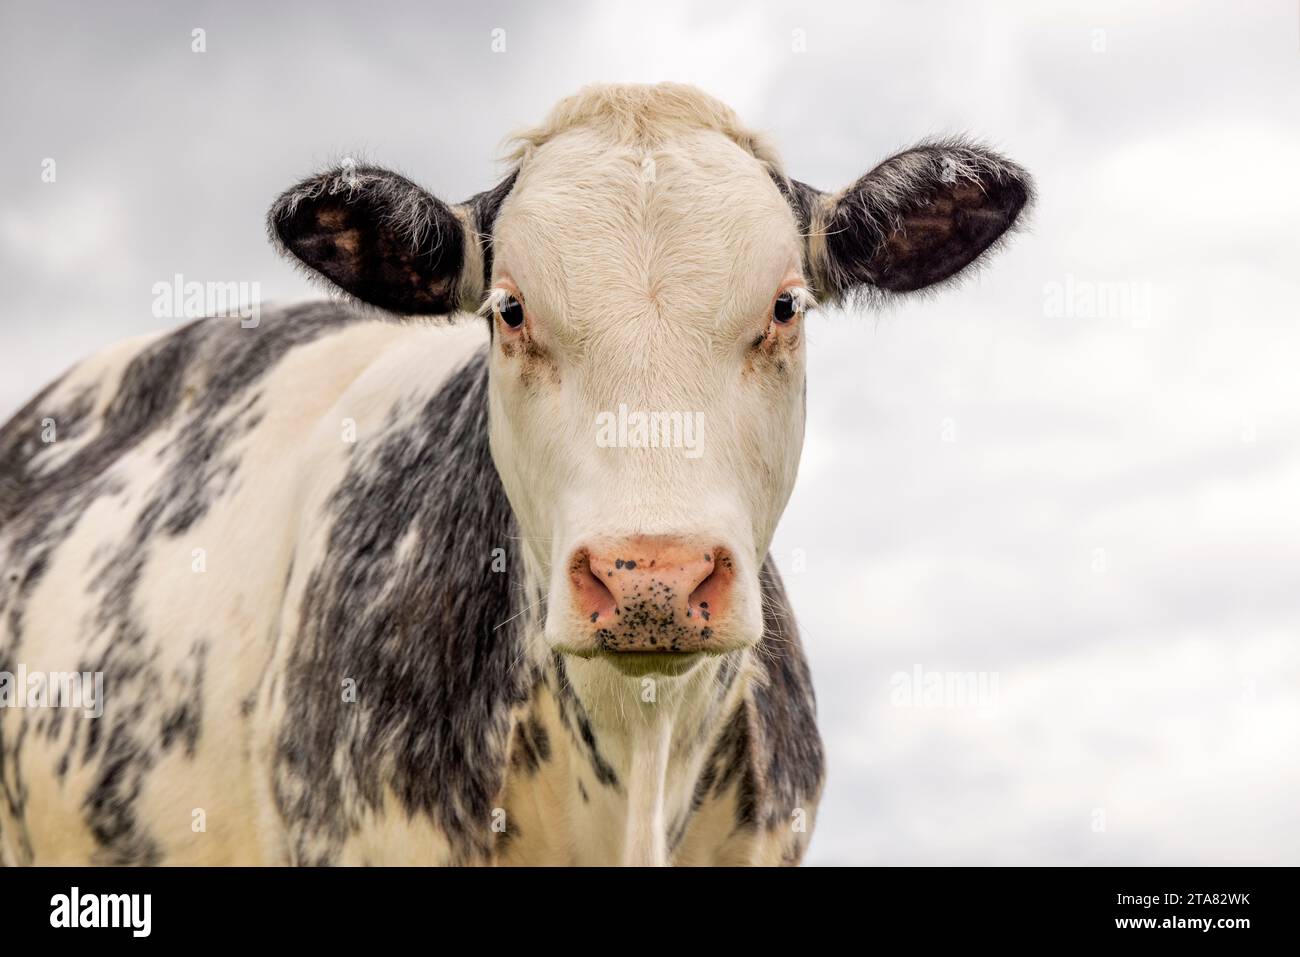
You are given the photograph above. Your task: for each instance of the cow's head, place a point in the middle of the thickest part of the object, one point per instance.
(646, 271)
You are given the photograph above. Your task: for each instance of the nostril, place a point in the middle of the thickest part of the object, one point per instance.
(712, 595)
(592, 596)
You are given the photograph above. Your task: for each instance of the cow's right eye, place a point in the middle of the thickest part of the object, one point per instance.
(785, 308)
(511, 311)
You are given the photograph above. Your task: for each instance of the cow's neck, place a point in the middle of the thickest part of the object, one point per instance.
(604, 767)
(657, 732)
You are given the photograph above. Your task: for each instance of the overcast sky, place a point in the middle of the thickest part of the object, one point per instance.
(1078, 474)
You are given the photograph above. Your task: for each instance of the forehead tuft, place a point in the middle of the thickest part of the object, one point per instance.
(638, 115)
(647, 202)
(583, 205)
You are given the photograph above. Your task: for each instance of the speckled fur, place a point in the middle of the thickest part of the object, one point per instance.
(258, 724)
(321, 563)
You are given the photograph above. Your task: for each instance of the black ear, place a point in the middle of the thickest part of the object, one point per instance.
(378, 237)
(916, 219)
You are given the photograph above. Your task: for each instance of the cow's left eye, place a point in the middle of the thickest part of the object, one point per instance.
(511, 311)
(785, 308)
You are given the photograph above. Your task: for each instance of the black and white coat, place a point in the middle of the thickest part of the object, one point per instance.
(316, 560)
(320, 644)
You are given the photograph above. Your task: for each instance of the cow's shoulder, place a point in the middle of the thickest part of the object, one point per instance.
(72, 431)
(155, 460)
(407, 658)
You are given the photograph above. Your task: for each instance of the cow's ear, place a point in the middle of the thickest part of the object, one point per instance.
(381, 239)
(915, 220)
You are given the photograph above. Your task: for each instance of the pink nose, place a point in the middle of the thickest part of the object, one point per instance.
(653, 594)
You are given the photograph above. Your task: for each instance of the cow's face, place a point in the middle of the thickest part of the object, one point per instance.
(647, 383)
(647, 272)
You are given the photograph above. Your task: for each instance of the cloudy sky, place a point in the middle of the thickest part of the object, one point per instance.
(1077, 475)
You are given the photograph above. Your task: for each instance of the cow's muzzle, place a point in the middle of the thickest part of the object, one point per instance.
(653, 595)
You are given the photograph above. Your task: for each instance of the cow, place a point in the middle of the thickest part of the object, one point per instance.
(403, 576)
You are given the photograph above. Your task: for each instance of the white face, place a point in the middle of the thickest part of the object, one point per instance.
(650, 295)
(630, 281)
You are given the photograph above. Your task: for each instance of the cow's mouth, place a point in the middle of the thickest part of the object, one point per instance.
(636, 664)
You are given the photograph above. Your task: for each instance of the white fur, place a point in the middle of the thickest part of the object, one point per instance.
(648, 241)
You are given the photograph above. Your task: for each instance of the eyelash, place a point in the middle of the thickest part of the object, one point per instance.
(511, 312)
(791, 304)
(506, 307)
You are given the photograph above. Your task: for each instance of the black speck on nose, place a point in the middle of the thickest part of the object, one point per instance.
(631, 565)
(618, 563)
